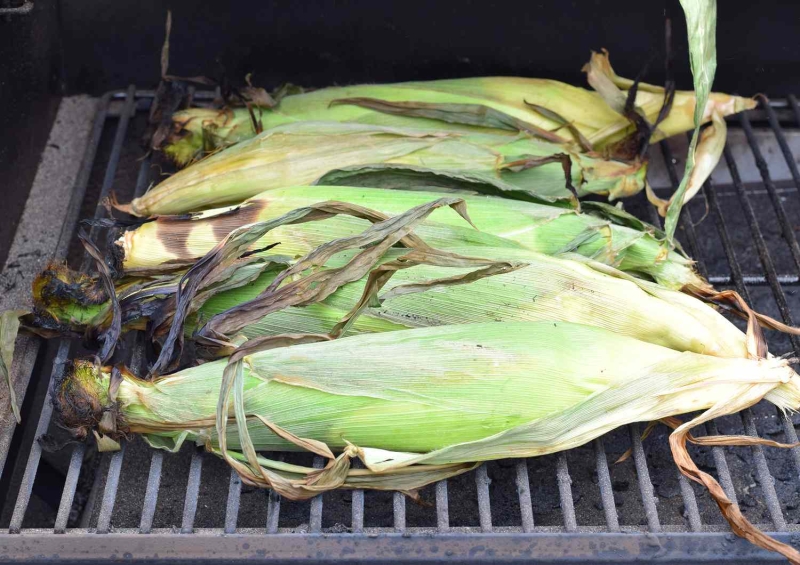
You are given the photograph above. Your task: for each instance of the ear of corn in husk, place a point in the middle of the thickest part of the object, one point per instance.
(542, 288)
(318, 391)
(537, 288)
(334, 153)
(601, 232)
(484, 391)
(235, 296)
(514, 99)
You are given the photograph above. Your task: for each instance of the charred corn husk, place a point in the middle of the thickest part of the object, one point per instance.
(347, 154)
(452, 104)
(169, 243)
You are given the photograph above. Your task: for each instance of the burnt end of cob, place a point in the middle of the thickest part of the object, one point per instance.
(81, 400)
(65, 299)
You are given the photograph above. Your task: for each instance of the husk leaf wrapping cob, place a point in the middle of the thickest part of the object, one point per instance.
(480, 391)
(590, 118)
(601, 232)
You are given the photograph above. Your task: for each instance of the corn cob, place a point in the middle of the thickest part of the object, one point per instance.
(200, 129)
(169, 243)
(332, 153)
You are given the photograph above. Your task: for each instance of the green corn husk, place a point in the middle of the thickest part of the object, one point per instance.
(255, 297)
(343, 153)
(420, 405)
(542, 288)
(169, 243)
(591, 120)
(701, 27)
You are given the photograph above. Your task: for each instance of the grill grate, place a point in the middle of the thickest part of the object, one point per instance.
(488, 536)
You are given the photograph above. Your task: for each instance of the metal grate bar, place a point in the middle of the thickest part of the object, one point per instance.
(791, 437)
(565, 493)
(273, 511)
(232, 506)
(690, 503)
(357, 505)
(687, 223)
(70, 485)
(763, 169)
(113, 161)
(442, 508)
(25, 489)
(482, 482)
(137, 360)
(151, 493)
(315, 513)
(357, 512)
(192, 492)
(606, 490)
(643, 477)
(737, 279)
(115, 467)
(524, 493)
(721, 464)
(778, 131)
(110, 492)
(274, 505)
(753, 280)
(764, 475)
(399, 511)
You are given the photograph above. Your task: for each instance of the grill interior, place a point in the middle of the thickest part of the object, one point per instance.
(741, 229)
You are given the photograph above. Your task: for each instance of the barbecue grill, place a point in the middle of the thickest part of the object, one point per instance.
(148, 505)
(138, 504)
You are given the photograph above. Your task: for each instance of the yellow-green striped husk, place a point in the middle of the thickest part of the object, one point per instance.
(169, 243)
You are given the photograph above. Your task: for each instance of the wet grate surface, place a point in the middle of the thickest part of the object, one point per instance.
(741, 229)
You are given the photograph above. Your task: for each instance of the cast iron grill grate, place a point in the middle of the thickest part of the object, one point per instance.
(570, 505)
